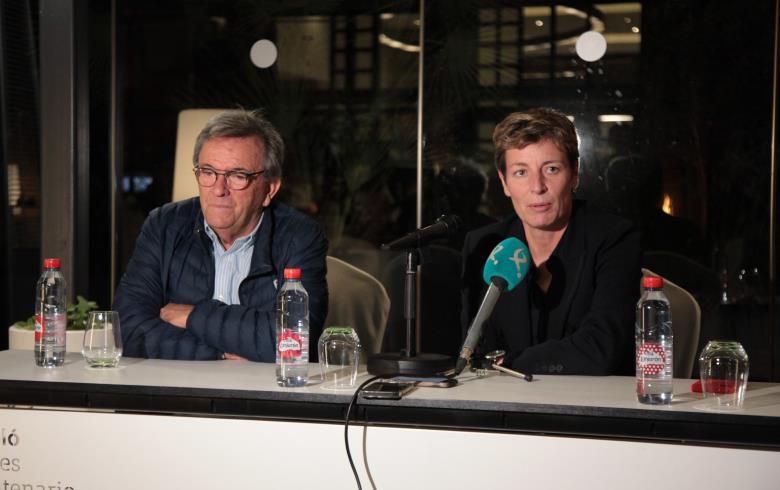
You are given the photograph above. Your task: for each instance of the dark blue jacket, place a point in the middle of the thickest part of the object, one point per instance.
(173, 263)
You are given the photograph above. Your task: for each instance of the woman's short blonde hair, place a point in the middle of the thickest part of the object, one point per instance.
(521, 129)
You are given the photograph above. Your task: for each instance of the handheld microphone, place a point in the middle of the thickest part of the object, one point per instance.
(445, 225)
(506, 266)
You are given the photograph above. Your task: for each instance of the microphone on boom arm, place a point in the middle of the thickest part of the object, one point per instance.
(444, 226)
(409, 362)
(506, 266)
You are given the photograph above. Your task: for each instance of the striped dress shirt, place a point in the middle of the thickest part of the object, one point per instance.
(231, 266)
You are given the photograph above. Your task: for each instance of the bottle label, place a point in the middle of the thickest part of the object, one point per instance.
(54, 325)
(290, 345)
(40, 328)
(651, 358)
(60, 325)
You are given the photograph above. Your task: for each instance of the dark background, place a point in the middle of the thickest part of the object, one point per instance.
(696, 80)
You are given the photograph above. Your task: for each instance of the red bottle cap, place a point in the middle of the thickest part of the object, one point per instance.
(292, 273)
(51, 263)
(651, 282)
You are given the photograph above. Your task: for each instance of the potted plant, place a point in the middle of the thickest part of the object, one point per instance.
(21, 335)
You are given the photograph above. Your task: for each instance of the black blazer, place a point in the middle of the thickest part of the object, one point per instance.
(595, 287)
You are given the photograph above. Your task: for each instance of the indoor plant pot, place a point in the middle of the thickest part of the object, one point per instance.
(21, 335)
(24, 339)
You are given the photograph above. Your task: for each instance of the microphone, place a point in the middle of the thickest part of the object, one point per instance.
(506, 266)
(445, 225)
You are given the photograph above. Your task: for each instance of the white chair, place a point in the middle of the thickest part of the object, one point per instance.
(191, 122)
(357, 300)
(686, 325)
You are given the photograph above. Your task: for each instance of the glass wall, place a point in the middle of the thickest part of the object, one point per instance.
(342, 91)
(674, 121)
(343, 99)
(674, 124)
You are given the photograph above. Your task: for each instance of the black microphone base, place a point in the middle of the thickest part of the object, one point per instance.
(422, 364)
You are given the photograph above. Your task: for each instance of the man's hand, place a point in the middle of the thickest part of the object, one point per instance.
(233, 357)
(176, 314)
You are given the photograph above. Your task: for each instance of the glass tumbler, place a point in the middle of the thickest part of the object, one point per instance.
(102, 345)
(339, 350)
(723, 368)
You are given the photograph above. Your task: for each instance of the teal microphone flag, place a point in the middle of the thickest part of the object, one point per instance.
(509, 260)
(506, 266)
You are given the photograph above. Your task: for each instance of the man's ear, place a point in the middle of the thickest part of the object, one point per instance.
(273, 188)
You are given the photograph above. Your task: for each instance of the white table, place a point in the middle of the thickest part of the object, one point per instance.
(225, 424)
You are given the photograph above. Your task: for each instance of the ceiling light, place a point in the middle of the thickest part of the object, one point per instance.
(263, 53)
(591, 46)
(395, 44)
(615, 118)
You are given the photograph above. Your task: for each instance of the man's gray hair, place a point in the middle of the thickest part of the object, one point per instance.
(240, 123)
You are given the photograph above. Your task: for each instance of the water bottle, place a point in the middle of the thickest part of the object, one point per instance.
(653, 344)
(292, 331)
(51, 315)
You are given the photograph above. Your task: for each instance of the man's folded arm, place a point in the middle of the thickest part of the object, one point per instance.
(250, 332)
(138, 300)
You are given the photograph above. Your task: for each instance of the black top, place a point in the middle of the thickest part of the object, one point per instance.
(584, 323)
(540, 303)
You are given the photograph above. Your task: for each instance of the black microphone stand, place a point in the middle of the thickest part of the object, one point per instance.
(409, 362)
(410, 300)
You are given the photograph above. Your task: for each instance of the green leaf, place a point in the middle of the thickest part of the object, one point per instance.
(77, 314)
(28, 324)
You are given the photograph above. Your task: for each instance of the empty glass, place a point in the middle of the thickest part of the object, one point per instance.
(339, 349)
(102, 345)
(723, 368)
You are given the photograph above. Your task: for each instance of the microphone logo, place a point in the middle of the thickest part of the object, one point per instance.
(519, 258)
(509, 261)
(495, 251)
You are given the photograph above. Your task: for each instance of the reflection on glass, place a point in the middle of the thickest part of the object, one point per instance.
(344, 90)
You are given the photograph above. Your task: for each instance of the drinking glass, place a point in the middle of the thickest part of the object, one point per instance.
(723, 368)
(339, 349)
(102, 345)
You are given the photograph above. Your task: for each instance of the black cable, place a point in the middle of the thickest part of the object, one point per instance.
(352, 403)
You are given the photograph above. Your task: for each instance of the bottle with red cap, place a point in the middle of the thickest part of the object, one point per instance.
(654, 344)
(51, 315)
(292, 331)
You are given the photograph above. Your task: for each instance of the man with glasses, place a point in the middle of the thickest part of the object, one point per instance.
(203, 278)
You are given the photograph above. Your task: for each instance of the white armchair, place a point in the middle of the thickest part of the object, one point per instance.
(191, 121)
(686, 325)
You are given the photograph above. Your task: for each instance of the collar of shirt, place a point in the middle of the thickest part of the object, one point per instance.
(231, 266)
(240, 244)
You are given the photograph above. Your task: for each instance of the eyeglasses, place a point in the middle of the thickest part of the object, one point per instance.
(236, 180)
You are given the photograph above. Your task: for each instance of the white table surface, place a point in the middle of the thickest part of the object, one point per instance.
(495, 392)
